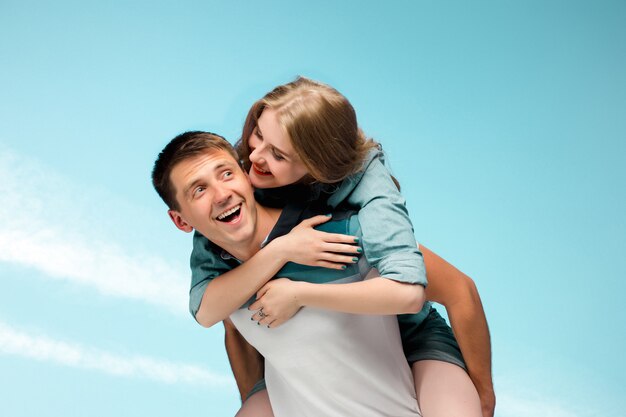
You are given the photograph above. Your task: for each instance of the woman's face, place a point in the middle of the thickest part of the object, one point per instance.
(273, 159)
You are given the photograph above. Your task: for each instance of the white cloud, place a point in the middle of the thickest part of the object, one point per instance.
(105, 267)
(42, 348)
(60, 229)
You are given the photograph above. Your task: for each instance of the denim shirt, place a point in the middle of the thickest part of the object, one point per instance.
(388, 240)
(387, 233)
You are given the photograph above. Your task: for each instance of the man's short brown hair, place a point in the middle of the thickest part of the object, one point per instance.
(184, 146)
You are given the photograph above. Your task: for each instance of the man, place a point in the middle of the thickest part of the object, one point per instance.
(233, 221)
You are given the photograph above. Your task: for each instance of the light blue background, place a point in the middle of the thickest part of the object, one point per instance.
(504, 121)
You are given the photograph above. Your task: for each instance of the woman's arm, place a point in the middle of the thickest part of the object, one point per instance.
(458, 294)
(281, 298)
(304, 245)
(388, 240)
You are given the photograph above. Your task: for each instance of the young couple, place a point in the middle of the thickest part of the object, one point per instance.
(336, 305)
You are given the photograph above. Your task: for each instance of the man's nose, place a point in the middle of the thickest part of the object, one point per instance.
(221, 195)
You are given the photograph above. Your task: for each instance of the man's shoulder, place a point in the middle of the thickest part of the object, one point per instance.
(343, 222)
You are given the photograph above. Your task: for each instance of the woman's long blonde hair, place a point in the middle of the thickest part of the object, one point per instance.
(321, 124)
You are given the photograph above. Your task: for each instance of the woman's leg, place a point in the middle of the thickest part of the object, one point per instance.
(258, 405)
(445, 390)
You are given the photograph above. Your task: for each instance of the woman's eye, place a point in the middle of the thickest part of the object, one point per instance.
(277, 156)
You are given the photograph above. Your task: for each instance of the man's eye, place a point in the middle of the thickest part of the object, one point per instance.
(228, 174)
(198, 190)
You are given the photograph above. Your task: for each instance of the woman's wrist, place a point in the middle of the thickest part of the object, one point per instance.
(308, 294)
(278, 249)
(299, 293)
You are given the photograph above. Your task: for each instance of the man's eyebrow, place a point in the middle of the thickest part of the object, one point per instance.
(221, 165)
(216, 168)
(191, 185)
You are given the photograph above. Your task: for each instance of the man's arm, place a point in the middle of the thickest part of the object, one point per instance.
(246, 363)
(458, 294)
(229, 291)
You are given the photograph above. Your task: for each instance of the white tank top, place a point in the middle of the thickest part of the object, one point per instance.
(327, 364)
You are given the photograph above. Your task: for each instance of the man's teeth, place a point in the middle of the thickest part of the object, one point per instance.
(228, 212)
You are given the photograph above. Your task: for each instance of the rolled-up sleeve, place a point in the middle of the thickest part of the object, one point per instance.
(206, 264)
(388, 240)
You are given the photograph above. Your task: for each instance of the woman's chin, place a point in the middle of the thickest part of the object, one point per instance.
(263, 181)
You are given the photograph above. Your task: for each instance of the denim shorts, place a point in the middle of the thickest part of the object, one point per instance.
(433, 339)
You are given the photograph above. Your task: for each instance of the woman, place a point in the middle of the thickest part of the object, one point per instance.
(306, 133)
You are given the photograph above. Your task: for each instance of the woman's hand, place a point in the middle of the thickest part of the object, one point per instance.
(306, 246)
(276, 302)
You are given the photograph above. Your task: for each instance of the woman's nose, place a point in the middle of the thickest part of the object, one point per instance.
(256, 156)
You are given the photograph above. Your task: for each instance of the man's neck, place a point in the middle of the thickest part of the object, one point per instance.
(266, 220)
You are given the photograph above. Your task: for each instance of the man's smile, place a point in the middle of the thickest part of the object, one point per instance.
(231, 215)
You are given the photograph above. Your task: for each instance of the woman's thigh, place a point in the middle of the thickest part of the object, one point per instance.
(444, 390)
(258, 405)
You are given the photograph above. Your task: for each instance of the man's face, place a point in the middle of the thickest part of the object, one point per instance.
(215, 198)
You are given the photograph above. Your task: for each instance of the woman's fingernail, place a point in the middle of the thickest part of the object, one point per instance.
(360, 250)
(329, 215)
(251, 318)
(355, 259)
(258, 323)
(343, 267)
(268, 326)
(356, 240)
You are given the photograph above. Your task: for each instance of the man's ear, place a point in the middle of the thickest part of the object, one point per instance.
(179, 222)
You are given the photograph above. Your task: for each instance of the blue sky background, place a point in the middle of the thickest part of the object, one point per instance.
(504, 121)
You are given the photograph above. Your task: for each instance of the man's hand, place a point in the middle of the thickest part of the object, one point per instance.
(306, 246)
(276, 302)
(488, 403)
